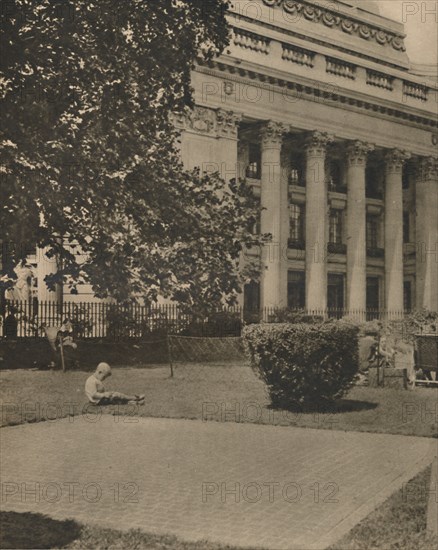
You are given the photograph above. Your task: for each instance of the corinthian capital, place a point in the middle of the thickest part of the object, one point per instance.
(427, 169)
(316, 143)
(357, 152)
(395, 159)
(272, 135)
(227, 123)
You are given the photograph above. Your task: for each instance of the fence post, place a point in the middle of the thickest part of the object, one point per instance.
(169, 351)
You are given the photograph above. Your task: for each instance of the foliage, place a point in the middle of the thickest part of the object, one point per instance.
(219, 323)
(293, 316)
(304, 364)
(90, 163)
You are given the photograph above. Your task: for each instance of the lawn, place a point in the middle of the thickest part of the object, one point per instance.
(222, 393)
(218, 393)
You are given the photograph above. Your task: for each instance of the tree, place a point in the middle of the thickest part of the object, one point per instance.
(89, 154)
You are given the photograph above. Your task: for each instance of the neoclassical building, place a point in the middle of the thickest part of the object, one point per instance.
(316, 104)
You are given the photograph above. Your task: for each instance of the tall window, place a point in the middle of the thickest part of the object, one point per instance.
(372, 232)
(334, 178)
(296, 227)
(296, 174)
(372, 298)
(296, 286)
(407, 296)
(254, 161)
(335, 226)
(406, 231)
(372, 186)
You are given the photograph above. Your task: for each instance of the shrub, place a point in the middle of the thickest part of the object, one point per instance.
(303, 364)
(293, 316)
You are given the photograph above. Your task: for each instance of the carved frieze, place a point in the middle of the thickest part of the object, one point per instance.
(214, 123)
(321, 13)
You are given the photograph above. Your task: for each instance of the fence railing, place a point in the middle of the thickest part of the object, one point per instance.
(119, 321)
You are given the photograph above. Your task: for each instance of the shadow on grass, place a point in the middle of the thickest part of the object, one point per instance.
(36, 531)
(328, 407)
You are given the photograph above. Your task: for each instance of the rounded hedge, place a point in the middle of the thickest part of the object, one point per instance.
(304, 364)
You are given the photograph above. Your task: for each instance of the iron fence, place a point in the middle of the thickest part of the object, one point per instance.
(121, 321)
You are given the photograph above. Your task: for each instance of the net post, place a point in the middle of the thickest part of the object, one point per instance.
(61, 345)
(169, 351)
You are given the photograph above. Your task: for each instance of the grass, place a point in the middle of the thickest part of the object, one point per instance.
(215, 393)
(229, 393)
(397, 524)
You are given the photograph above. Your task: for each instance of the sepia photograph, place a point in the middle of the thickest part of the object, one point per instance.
(219, 274)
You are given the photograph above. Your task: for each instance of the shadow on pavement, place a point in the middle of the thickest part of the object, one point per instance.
(35, 531)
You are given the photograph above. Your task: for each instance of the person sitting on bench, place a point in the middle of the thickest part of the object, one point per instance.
(95, 390)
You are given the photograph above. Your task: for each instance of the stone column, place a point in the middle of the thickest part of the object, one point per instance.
(272, 292)
(394, 161)
(357, 153)
(316, 220)
(47, 266)
(427, 234)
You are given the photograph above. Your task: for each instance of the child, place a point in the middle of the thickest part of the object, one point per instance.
(95, 390)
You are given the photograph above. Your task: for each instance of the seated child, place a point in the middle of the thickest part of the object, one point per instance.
(95, 390)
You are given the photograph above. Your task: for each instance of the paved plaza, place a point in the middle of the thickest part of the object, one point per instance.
(247, 485)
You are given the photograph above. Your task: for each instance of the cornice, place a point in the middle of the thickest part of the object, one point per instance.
(311, 91)
(314, 40)
(332, 18)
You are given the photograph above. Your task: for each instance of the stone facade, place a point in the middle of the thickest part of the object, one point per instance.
(316, 106)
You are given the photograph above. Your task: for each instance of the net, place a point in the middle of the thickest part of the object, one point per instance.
(217, 350)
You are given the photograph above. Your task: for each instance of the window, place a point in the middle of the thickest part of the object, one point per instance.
(372, 187)
(407, 296)
(251, 296)
(335, 226)
(405, 176)
(254, 162)
(296, 176)
(406, 231)
(335, 294)
(334, 176)
(296, 227)
(372, 298)
(296, 289)
(372, 236)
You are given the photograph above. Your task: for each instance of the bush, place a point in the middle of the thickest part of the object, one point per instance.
(303, 364)
(293, 316)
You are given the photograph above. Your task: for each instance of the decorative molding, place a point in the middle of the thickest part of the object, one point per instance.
(332, 18)
(418, 91)
(250, 40)
(357, 153)
(217, 123)
(380, 80)
(202, 120)
(311, 92)
(298, 55)
(227, 123)
(427, 169)
(340, 68)
(272, 135)
(316, 143)
(395, 159)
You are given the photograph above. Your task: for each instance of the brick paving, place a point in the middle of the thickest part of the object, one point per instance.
(246, 485)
